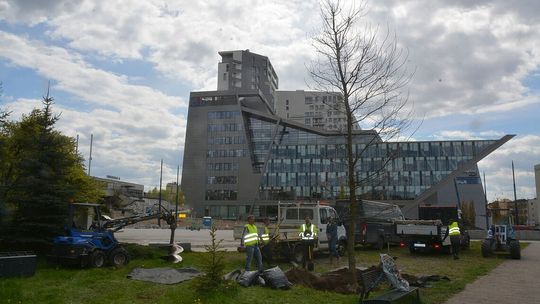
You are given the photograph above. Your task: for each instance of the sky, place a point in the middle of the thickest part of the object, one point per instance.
(122, 70)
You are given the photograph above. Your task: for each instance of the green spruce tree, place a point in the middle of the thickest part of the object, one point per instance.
(42, 174)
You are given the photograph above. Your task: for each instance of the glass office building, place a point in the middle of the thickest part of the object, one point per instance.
(240, 157)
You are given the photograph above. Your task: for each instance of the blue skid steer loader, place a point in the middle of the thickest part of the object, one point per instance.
(89, 239)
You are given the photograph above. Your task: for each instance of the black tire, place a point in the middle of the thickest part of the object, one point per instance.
(412, 250)
(466, 243)
(97, 259)
(342, 247)
(486, 248)
(119, 257)
(297, 254)
(515, 249)
(380, 243)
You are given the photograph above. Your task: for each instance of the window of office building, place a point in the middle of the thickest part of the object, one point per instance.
(220, 180)
(221, 195)
(223, 115)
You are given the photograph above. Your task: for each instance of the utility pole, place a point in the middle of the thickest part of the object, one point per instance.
(90, 158)
(160, 179)
(486, 202)
(515, 195)
(173, 225)
(177, 188)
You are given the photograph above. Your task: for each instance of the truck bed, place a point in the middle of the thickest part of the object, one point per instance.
(418, 227)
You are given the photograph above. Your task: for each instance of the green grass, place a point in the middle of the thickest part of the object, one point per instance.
(110, 285)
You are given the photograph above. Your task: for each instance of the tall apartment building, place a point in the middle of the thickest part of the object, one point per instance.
(248, 71)
(240, 157)
(315, 109)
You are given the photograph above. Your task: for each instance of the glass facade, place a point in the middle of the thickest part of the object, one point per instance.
(303, 164)
(225, 145)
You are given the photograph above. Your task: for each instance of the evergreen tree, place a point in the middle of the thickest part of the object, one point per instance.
(41, 174)
(213, 266)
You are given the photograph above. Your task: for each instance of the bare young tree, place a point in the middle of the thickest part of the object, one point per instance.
(368, 71)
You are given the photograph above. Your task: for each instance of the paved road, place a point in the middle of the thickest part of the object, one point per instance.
(514, 281)
(197, 238)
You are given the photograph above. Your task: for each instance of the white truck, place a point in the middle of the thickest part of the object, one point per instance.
(285, 232)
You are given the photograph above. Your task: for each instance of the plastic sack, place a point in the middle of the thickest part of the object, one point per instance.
(247, 278)
(392, 273)
(233, 275)
(260, 281)
(276, 278)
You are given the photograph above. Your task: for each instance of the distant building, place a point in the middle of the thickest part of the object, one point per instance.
(522, 205)
(315, 109)
(114, 186)
(171, 187)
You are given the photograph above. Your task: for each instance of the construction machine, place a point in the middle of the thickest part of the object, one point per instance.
(89, 237)
(501, 236)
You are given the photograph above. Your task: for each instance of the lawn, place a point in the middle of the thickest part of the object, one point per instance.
(110, 285)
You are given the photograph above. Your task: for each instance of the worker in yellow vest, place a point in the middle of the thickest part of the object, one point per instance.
(265, 239)
(250, 241)
(455, 237)
(308, 235)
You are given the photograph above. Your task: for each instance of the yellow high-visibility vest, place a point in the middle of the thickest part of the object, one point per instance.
(251, 237)
(265, 236)
(453, 229)
(308, 233)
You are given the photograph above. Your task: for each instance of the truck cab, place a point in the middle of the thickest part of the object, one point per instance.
(374, 222)
(292, 216)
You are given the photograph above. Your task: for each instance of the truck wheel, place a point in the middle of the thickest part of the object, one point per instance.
(515, 250)
(412, 250)
(341, 248)
(380, 243)
(466, 243)
(97, 259)
(486, 248)
(118, 257)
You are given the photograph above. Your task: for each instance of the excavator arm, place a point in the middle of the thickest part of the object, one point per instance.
(117, 224)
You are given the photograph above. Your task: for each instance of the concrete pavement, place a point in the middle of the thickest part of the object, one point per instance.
(197, 238)
(514, 281)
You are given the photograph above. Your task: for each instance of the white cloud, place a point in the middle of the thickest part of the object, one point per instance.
(470, 58)
(133, 126)
(524, 151)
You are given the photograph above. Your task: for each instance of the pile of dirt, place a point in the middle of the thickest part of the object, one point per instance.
(335, 280)
(338, 280)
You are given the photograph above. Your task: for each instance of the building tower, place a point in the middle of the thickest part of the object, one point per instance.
(243, 70)
(324, 110)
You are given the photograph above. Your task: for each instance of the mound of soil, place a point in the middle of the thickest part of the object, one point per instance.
(335, 280)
